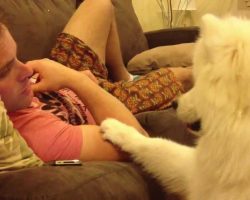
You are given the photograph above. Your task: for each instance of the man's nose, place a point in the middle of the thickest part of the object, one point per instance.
(25, 71)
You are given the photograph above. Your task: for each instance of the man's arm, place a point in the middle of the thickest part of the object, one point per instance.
(102, 105)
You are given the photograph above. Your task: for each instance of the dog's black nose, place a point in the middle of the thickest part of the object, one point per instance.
(196, 126)
(175, 105)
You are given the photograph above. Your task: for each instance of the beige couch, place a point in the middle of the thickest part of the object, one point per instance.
(34, 25)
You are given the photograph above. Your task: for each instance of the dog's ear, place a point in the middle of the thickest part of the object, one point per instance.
(219, 39)
(210, 27)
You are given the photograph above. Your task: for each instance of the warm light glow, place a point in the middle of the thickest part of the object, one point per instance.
(183, 5)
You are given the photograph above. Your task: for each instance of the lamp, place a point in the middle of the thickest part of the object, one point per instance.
(183, 5)
(180, 8)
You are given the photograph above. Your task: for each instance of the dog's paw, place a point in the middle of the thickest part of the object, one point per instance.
(116, 132)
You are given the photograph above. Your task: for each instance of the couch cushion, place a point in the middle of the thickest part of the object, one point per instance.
(165, 124)
(14, 152)
(179, 55)
(132, 38)
(91, 181)
(34, 24)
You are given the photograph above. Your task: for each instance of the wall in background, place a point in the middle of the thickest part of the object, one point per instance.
(150, 15)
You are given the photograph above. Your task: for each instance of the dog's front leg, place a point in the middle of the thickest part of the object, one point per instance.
(167, 161)
(186, 109)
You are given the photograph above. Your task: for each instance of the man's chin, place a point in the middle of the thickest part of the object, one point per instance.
(29, 101)
(22, 105)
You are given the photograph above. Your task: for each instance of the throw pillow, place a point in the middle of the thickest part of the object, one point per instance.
(34, 24)
(179, 55)
(14, 152)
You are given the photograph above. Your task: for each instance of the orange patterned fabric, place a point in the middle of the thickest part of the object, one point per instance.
(73, 53)
(153, 91)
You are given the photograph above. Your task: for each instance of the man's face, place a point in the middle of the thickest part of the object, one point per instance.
(15, 86)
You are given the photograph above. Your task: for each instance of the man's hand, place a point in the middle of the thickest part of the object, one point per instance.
(54, 76)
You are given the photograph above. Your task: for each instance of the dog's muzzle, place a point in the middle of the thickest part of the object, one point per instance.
(195, 126)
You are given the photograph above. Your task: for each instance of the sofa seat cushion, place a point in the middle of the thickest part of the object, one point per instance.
(165, 124)
(91, 181)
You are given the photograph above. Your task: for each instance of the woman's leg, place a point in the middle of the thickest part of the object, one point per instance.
(91, 23)
(114, 60)
(94, 24)
(153, 91)
(184, 75)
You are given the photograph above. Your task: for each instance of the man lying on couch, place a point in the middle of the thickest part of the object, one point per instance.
(59, 133)
(50, 137)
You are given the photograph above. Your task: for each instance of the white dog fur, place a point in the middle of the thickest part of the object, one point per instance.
(218, 168)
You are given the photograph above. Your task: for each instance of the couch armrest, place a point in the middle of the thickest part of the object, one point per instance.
(172, 36)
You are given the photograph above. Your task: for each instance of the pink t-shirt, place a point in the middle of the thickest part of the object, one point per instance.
(48, 136)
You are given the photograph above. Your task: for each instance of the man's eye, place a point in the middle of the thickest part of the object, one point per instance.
(4, 71)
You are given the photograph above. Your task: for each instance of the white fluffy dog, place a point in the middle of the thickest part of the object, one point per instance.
(218, 168)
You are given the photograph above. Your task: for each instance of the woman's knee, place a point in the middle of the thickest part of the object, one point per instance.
(104, 5)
